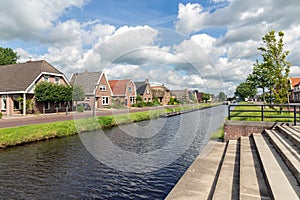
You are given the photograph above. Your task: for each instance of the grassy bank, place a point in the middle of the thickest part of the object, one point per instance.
(36, 132)
(219, 134)
(254, 114)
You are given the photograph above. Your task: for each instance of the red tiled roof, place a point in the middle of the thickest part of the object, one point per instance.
(118, 87)
(294, 81)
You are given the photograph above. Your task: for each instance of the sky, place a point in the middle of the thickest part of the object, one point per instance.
(209, 45)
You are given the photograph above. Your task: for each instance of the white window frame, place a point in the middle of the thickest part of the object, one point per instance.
(49, 105)
(46, 78)
(4, 105)
(147, 91)
(105, 100)
(15, 100)
(129, 89)
(56, 79)
(131, 99)
(102, 87)
(59, 106)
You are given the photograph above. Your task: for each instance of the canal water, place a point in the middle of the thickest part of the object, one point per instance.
(136, 161)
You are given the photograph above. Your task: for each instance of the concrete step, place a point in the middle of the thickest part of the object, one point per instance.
(279, 184)
(292, 134)
(286, 151)
(226, 187)
(199, 180)
(249, 186)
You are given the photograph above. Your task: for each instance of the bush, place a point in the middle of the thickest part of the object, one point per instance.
(0, 115)
(80, 108)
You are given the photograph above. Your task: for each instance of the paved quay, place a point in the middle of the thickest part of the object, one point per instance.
(260, 166)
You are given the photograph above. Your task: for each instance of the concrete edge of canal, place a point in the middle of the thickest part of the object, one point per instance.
(198, 180)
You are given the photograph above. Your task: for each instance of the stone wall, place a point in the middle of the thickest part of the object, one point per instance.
(233, 130)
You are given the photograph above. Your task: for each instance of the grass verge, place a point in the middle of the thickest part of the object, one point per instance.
(219, 134)
(25, 134)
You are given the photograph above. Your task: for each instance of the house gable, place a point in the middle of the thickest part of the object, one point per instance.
(25, 76)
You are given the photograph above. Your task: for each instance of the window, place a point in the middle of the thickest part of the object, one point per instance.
(132, 100)
(147, 91)
(46, 78)
(47, 105)
(87, 98)
(3, 107)
(58, 105)
(17, 104)
(56, 80)
(102, 87)
(129, 89)
(105, 100)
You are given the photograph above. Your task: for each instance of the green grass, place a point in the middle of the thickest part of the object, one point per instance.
(219, 134)
(25, 134)
(255, 114)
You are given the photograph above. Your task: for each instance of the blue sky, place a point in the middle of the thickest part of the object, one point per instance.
(208, 45)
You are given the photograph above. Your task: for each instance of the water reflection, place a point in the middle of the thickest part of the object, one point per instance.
(64, 169)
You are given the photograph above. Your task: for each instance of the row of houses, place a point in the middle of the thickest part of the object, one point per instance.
(17, 83)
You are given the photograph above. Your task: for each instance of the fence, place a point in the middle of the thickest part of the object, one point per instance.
(265, 111)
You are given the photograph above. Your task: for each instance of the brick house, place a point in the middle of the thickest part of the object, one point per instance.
(17, 83)
(124, 91)
(144, 90)
(162, 93)
(181, 95)
(95, 86)
(195, 94)
(294, 96)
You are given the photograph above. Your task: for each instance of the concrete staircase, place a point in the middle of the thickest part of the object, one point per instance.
(262, 166)
(266, 166)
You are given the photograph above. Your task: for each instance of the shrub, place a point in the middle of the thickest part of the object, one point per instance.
(0, 115)
(80, 108)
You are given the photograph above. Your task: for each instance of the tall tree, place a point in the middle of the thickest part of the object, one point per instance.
(8, 56)
(272, 73)
(222, 96)
(77, 93)
(245, 90)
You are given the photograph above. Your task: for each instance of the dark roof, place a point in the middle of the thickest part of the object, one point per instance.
(87, 80)
(140, 87)
(18, 77)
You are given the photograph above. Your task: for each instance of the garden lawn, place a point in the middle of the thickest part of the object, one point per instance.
(253, 113)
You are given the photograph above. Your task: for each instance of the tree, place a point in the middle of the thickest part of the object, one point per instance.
(245, 90)
(222, 96)
(8, 56)
(139, 98)
(272, 73)
(205, 97)
(77, 93)
(54, 93)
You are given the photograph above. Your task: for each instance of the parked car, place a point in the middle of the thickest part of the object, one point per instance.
(250, 101)
(86, 106)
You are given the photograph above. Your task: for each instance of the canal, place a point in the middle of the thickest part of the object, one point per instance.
(143, 160)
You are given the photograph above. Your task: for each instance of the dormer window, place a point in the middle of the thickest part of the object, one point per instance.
(56, 80)
(46, 78)
(102, 87)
